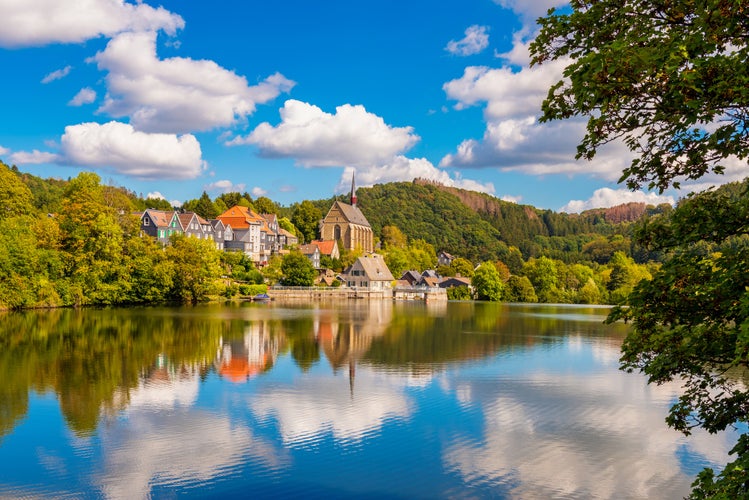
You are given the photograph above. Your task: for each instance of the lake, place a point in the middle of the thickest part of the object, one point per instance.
(336, 400)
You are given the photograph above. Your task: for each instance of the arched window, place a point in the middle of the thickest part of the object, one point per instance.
(337, 232)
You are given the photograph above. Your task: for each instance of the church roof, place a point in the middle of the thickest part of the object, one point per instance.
(352, 214)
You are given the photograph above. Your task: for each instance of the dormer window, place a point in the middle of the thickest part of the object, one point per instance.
(146, 221)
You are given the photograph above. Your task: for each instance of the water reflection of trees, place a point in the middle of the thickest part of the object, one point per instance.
(96, 361)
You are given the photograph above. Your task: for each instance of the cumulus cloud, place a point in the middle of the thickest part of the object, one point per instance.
(258, 191)
(86, 95)
(514, 140)
(607, 197)
(476, 40)
(530, 11)
(155, 195)
(401, 168)
(4, 151)
(56, 75)
(176, 94)
(33, 157)
(350, 136)
(41, 22)
(118, 146)
(224, 186)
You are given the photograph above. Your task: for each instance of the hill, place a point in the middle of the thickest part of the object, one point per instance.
(481, 227)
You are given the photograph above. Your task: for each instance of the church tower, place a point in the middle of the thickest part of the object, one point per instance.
(353, 189)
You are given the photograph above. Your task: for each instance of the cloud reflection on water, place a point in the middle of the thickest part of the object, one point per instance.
(558, 433)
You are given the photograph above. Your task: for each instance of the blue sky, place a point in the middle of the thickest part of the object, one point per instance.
(287, 98)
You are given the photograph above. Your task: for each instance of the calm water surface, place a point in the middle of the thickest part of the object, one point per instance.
(357, 399)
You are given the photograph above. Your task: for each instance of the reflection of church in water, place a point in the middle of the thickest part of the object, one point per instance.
(240, 359)
(346, 335)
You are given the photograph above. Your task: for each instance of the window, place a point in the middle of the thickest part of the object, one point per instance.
(337, 232)
(146, 221)
(161, 233)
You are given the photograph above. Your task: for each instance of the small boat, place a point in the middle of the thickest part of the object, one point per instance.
(261, 297)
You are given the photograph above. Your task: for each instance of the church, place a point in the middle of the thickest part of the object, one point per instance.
(347, 223)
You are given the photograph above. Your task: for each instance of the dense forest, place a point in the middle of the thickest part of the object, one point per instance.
(77, 242)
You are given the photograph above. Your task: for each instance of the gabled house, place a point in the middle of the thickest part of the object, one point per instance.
(369, 272)
(220, 232)
(411, 277)
(328, 247)
(190, 224)
(287, 238)
(312, 252)
(246, 226)
(160, 224)
(444, 259)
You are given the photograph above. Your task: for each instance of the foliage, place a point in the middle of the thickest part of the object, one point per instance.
(252, 290)
(459, 293)
(196, 268)
(297, 270)
(657, 74)
(670, 79)
(306, 219)
(392, 237)
(487, 283)
(286, 224)
(264, 205)
(520, 289)
(15, 196)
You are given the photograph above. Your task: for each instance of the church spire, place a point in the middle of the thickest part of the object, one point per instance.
(353, 189)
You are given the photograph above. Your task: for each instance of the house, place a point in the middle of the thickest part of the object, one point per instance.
(221, 232)
(370, 272)
(329, 248)
(246, 226)
(411, 277)
(347, 223)
(160, 224)
(444, 259)
(190, 224)
(287, 239)
(312, 252)
(454, 281)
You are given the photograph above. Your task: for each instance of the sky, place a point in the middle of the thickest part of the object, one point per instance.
(288, 99)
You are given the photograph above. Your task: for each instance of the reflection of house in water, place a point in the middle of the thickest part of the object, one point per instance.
(242, 358)
(346, 335)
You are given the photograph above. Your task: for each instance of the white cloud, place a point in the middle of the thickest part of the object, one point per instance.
(33, 157)
(401, 168)
(121, 148)
(4, 151)
(351, 136)
(176, 94)
(514, 140)
(155, 195)
(476, 39)
(530, 11)
(607, 197)
(225, 186)
(41, 22)
(258, 191)
(85, 96)
(58, 74)
(512, 199)
(735, 170)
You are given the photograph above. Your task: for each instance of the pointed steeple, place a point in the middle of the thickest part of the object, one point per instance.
(353, 189)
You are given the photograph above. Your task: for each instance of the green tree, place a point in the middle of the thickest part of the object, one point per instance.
(197, 268)
(487, 283)
(297, 270)
(462, 267)
(671, 80)
(657, 75)
(306, 219)
(542, 273)
(15, 197)
(264, 205)
(286, 224)
(205, 207)
(392, 237)
(520, 289)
